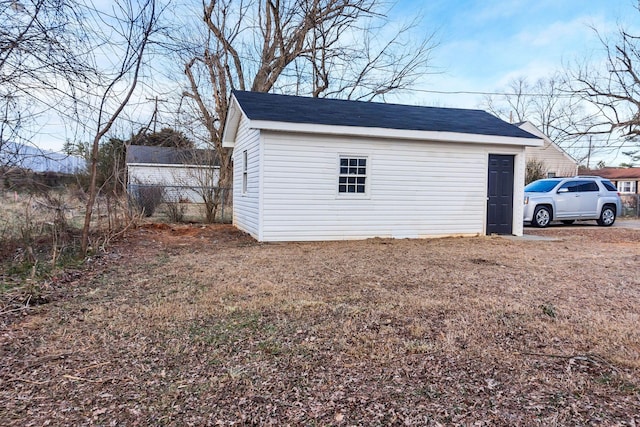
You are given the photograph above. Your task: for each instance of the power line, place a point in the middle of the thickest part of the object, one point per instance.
(472, 92)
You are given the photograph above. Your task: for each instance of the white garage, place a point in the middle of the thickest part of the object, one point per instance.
(326, 169)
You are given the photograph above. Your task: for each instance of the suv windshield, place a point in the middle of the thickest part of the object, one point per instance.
(541, 186)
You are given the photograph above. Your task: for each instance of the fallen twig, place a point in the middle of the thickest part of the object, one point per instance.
(591, 358)
(46, 359)
(95, 365)
(30, 381)
(75, 378)
(14, 310)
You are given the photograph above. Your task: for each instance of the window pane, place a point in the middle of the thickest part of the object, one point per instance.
(352, 175)
(572, 186)
(591, 186)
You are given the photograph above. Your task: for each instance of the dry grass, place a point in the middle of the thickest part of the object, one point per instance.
(202, 325)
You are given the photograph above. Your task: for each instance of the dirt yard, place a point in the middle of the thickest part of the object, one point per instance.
(191, 325)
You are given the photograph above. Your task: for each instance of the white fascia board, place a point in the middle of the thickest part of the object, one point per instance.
(231, 124)
(417, 135)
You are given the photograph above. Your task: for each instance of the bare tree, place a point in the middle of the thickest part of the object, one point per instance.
(614, 91)
(552, 107)
(330, 48)
(41, 62)
(134, 24)
(514, 104)
(203, 180)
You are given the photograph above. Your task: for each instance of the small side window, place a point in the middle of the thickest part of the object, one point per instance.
(609, 186)
(244, 172)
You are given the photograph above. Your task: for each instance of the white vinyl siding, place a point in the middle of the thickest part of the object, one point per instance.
(555, 160)
(415, 189)
(246, 192)
(172, 177)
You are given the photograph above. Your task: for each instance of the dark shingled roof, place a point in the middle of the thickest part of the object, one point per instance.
(337, 112)
(168, 155)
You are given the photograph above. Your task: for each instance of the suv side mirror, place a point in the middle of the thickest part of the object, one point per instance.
(563, 190)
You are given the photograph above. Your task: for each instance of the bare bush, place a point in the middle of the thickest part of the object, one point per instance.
(148, 197)
(536, 169)
(176, 211)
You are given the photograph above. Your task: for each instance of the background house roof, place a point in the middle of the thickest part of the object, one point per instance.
(169, 155)
(337, 112)
(616, 174)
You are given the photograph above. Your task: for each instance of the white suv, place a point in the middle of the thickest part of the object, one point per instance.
(571, 199)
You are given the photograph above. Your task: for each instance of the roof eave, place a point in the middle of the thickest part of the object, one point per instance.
(395, 133)
(232, 123)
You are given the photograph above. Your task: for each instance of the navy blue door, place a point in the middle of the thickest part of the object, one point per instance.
(500, 195)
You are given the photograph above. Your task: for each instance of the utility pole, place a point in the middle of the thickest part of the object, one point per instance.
(589, 153)
(154, 116)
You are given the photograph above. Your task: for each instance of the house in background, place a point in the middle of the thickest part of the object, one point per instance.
(626, 180)
(327, 169)
(181, 172)
(554, 158)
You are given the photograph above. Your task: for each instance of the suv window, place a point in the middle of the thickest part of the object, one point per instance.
(588, 186)
(541, 186)
(571, 186)
(580, 186)
(609, 186)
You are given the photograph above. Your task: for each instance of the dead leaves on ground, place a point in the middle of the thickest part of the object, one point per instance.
(203, 326)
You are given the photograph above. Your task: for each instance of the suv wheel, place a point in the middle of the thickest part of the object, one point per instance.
(607, 217)
(541, 216)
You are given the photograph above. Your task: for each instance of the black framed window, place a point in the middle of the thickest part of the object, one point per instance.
(352, 178)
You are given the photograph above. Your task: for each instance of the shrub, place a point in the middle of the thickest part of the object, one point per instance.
(176, 211)
(536, 169)
(147, 198)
